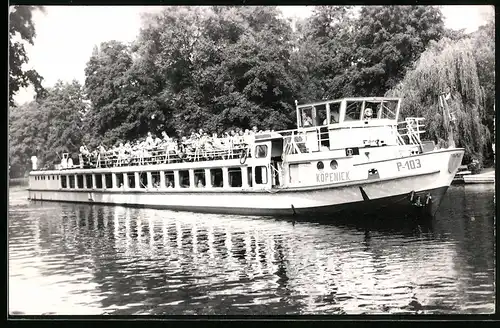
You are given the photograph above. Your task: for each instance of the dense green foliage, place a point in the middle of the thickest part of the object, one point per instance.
(221, 67)
(21, 30)
(450, 67)
(47, 128)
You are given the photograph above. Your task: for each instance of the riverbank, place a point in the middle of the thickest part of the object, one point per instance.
(486, 176)
(18, 182)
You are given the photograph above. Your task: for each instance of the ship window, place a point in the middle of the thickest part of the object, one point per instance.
(389, 109)
(216, 178)
(261, 174)
(199, 178)
(184, 179)
(108, 180)
(260, 151)
(320, 115)
(306, 117)
(169, 179)
(143, 180)
(155, 179)
(79, 180)
(320, 165)
(88, 178)
(250, 174)
(353, 111)
(119, 180)
(63, 182)
(71, 181)
(131, 179)
(234, 174)
(374, 107)
(334, 164)
(98, 181)
(334, 112)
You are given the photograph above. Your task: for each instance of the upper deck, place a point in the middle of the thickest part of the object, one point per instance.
(347, 112)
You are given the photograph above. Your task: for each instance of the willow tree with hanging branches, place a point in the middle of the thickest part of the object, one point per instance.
(450, 67)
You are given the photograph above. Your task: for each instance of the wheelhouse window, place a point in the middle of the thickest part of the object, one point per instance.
(98, 181)
(63, 182)
(353, 111)
(319, 115)
(334, 112)
(109, 180)
(306, 117)
(260, 151)
(216, 178)
(388, 109)
(184, 179)
(79, 180)
(72, 181)
(131, 179)
(169, 179)
(199, 178)
(260, 174)
(234, 174)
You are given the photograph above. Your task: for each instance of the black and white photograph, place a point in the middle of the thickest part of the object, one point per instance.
(251, 160)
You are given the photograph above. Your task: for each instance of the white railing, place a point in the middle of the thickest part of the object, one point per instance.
(409, 134)
(163, 155)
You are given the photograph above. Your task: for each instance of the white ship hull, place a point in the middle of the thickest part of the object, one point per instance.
(393, 189)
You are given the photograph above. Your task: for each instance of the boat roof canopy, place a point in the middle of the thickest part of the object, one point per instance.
(347, 110)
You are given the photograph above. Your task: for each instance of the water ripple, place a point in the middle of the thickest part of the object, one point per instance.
(83, 259)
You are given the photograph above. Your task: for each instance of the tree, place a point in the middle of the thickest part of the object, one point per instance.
(483, 42)
(214, 73)
(324, 49)
(21, 31)
(46, 128)
(389, 39)
(447, 66)
(24, 139)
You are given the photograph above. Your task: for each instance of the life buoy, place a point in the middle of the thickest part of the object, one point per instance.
(243, 157)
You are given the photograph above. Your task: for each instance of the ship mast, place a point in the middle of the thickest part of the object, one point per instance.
(448, 119)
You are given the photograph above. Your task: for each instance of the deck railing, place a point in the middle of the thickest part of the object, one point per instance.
(409, 133)
(163, 155)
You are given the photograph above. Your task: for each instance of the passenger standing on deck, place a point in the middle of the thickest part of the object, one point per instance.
(34, 161)
(102, 155)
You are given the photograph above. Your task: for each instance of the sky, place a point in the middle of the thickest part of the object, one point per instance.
(66, 35)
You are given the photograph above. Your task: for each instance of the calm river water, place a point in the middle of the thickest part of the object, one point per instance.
(84, 259)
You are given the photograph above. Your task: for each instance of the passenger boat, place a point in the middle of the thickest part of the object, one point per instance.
(347, 154)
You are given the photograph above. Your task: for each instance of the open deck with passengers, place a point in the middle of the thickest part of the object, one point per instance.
(342, 152)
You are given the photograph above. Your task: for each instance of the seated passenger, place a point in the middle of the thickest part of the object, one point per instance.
(200, 184)
(368, 113)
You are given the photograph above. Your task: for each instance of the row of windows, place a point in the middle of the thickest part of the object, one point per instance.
(46, 177)
(167, 179)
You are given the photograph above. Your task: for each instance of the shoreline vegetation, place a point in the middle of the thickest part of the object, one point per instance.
(222, 67)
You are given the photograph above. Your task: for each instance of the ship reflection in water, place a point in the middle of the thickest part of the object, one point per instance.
(83, 259)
